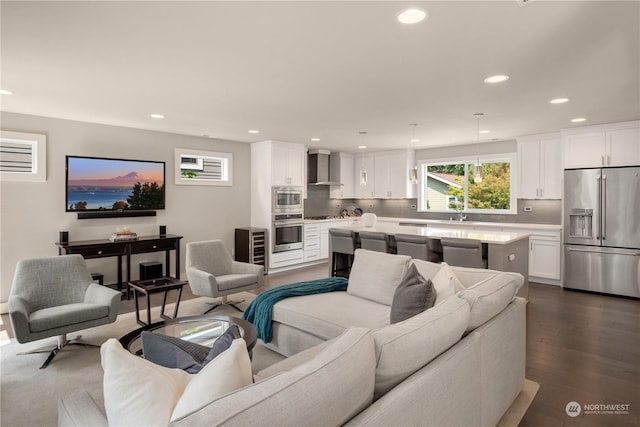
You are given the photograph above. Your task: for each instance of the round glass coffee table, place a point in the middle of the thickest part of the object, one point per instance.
(203, 330)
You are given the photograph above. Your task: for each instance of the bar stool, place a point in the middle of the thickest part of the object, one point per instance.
(342, 242)
(416, 247)
(374, 241)
(463, 252)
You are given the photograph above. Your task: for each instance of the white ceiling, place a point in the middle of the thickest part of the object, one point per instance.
(326, 69)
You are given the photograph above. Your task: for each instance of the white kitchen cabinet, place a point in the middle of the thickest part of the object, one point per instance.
(342, 166)
(623, 147)
(366, 191)
(288, 164)
(540, 168)
(392, 175)
(311, 242)
(545, 249)
(616, 144)
(544, 257)
(285, 259)
(275, 163)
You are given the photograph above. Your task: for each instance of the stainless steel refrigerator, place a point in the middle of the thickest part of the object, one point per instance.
(602, 230)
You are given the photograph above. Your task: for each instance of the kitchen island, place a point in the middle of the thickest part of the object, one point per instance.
(505, 251)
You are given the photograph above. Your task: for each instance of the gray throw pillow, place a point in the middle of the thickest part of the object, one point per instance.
(413, 295)
(173, 352)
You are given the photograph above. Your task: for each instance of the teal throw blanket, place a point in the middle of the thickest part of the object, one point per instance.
(260, 310)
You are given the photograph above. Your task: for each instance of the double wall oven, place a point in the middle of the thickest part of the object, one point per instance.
(287, 219)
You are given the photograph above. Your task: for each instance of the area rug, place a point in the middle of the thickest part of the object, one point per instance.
(29, 395)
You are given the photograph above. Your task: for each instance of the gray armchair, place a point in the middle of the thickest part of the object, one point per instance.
(54, 296)
(213, 273)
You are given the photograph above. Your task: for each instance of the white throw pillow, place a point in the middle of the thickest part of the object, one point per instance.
(229, 371)
(141, 393)
(446, 283)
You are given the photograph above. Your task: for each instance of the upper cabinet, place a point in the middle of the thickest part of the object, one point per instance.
(539, 167)
(288, 164)
(342, 168)
(364, 163)
(616, 144)
(387, 175)
(391, 170)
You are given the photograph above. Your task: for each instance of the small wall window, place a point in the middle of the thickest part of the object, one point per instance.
(195, 167)
(23, 156)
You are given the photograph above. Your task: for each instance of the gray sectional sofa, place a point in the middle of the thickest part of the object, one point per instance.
(459, 363)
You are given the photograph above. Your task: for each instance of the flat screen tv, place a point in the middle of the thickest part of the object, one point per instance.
(117, 185)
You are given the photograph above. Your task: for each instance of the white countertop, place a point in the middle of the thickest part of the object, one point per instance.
(435, 222)
(449, 224)
(485, 236)
(348, 218)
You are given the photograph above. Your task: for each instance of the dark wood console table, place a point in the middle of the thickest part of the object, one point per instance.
(105, 248)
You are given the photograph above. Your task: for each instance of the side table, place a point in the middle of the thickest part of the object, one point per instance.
(148, 287)
(203, 330)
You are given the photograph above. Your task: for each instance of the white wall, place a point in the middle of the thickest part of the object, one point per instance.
(33, 214)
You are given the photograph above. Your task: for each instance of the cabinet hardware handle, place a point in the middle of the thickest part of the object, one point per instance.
(608, 159)
(154, 246)
(99, 252)
(603, 163)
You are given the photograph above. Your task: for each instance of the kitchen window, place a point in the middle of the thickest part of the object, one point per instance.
(448, 186)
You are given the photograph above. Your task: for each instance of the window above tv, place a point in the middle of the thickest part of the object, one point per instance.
(103, 184)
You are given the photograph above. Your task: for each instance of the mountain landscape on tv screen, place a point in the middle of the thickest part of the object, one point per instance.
(128, 180)
(130, 191)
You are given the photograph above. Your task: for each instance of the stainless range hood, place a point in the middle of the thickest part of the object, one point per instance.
(318, 168)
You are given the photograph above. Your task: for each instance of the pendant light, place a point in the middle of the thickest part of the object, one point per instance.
(413, 171)
(363, 168)
(478, 173)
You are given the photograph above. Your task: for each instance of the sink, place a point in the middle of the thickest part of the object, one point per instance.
(455, 221)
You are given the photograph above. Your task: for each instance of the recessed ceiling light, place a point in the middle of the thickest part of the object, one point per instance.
(315, 139)
(485, 131)
(362, 147)
(497, 78)
(413, 15)
(254, 131)
(156, 116)
(414, 140)
(5, 92)
(578, 120)
(559, 100)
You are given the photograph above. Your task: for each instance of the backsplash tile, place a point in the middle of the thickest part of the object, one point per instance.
(318, 203)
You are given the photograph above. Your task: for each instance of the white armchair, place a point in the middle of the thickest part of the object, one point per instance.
(213, 273)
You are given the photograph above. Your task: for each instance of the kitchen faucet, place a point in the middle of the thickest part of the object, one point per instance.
(459, 209)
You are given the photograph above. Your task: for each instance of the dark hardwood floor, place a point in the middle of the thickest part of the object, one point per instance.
(581, 347)
(585, 348)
